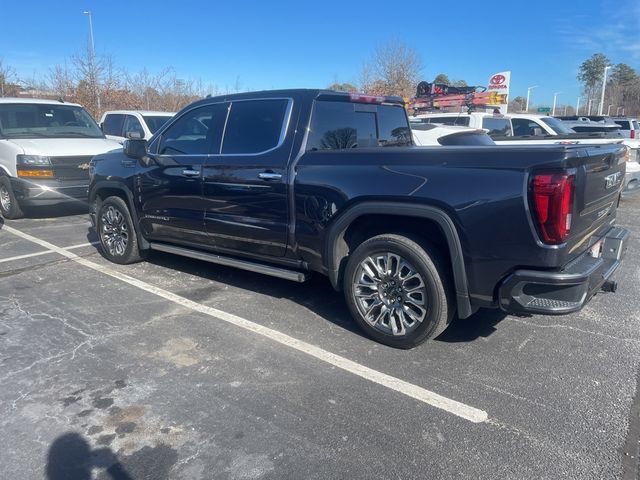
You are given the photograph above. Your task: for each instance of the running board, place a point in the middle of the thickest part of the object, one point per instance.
(293, 275)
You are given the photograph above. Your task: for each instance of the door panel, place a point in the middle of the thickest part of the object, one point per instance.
(170, 192)
(245, 194)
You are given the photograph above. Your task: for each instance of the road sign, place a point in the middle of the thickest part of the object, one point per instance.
(544, 110)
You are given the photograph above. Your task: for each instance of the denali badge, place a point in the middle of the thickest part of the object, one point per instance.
(612, 180)
(83, 166)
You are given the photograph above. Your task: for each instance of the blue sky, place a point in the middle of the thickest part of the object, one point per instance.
(280, 44)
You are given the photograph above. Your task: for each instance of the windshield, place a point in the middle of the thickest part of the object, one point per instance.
(25, 120)
(557, 126)
(155, 122)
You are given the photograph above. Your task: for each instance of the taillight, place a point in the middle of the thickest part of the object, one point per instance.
(552, 198)
(633, 134)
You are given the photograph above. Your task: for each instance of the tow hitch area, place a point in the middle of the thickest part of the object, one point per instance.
(610, 286)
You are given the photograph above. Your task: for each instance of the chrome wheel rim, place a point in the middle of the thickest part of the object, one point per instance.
(390, 294)
(114, 232)
(5, 199)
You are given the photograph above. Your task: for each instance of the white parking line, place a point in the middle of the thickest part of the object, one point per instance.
(45, 252)
(454, 407)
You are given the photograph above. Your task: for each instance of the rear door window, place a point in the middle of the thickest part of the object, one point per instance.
(254, 126)
(346, 125)
(112, 124)
(498, 127)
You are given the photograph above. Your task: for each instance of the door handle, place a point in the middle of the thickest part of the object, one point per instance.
(190, 172)
(269, 176)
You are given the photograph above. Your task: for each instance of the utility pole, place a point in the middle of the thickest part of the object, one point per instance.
(526, 109)
(604, 86)
(555, 96)
(94, 72)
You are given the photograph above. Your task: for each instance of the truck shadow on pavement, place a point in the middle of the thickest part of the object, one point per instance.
(55, 211)
(70, 457)
(317, 295)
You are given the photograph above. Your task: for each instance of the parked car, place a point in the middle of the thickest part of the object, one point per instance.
(291, 182)
(45, 149)
(119, 124)
(516, 128)
(629, 127)
(429, 134)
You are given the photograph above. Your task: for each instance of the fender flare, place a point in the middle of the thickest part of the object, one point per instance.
(115, 185)
(335, 252)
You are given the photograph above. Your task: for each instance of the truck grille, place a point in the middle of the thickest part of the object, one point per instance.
(71, 168)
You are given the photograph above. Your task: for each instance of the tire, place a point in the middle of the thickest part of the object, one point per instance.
(398, 291)
(117, 233)
(9, 206)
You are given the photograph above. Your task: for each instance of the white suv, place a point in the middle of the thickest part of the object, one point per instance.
(119, 124)
(45, 150)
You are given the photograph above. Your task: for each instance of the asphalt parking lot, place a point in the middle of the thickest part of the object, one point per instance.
(175, 368)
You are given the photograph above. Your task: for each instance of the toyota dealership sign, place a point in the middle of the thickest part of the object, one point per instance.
(499, 83)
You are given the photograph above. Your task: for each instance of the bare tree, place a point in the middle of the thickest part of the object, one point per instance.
(8, 80)
(393, 70)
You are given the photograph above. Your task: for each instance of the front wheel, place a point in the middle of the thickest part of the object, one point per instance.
(9, 206)
(117, 233)
(398, 291)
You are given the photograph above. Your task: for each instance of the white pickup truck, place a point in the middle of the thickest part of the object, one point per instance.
(530, 129)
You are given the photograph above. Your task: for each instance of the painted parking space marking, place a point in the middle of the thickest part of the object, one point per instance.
(416, 392)
(45, 252)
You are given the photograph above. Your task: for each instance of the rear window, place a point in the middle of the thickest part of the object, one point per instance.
(498, 127)
(624, 124)
(344, 125)
(254, 126)
(450, 120)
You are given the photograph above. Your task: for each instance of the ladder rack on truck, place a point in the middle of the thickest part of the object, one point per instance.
(434, 96)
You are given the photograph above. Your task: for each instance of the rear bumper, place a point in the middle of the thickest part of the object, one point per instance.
(49, 192)
(566, 290)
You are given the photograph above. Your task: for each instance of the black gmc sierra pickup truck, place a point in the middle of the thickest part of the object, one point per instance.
(290, 182)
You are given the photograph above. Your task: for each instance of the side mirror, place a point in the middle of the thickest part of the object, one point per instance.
(135, 148)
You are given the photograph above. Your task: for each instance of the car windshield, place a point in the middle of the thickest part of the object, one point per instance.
(154, 122)
(557, 126)
(29, 120)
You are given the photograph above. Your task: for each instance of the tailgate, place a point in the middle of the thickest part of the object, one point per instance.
(599, 181)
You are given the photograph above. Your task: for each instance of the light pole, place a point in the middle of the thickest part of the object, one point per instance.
(526, 109)
(589, 110)
(604, 85)
(578, 106)
(555, 96)
(609, 109)
(94, 73)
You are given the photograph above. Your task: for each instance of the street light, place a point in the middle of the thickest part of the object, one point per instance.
(94, 74)
(609, 109)
(604, 85)
(555, 96)
(618, 111)
(526, 109)
(578, 106)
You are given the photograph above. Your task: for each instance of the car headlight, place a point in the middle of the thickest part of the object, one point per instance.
(32, 160)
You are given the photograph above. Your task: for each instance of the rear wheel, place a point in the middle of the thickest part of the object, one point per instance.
(9, 206)
(398, 291)
(117, 233)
